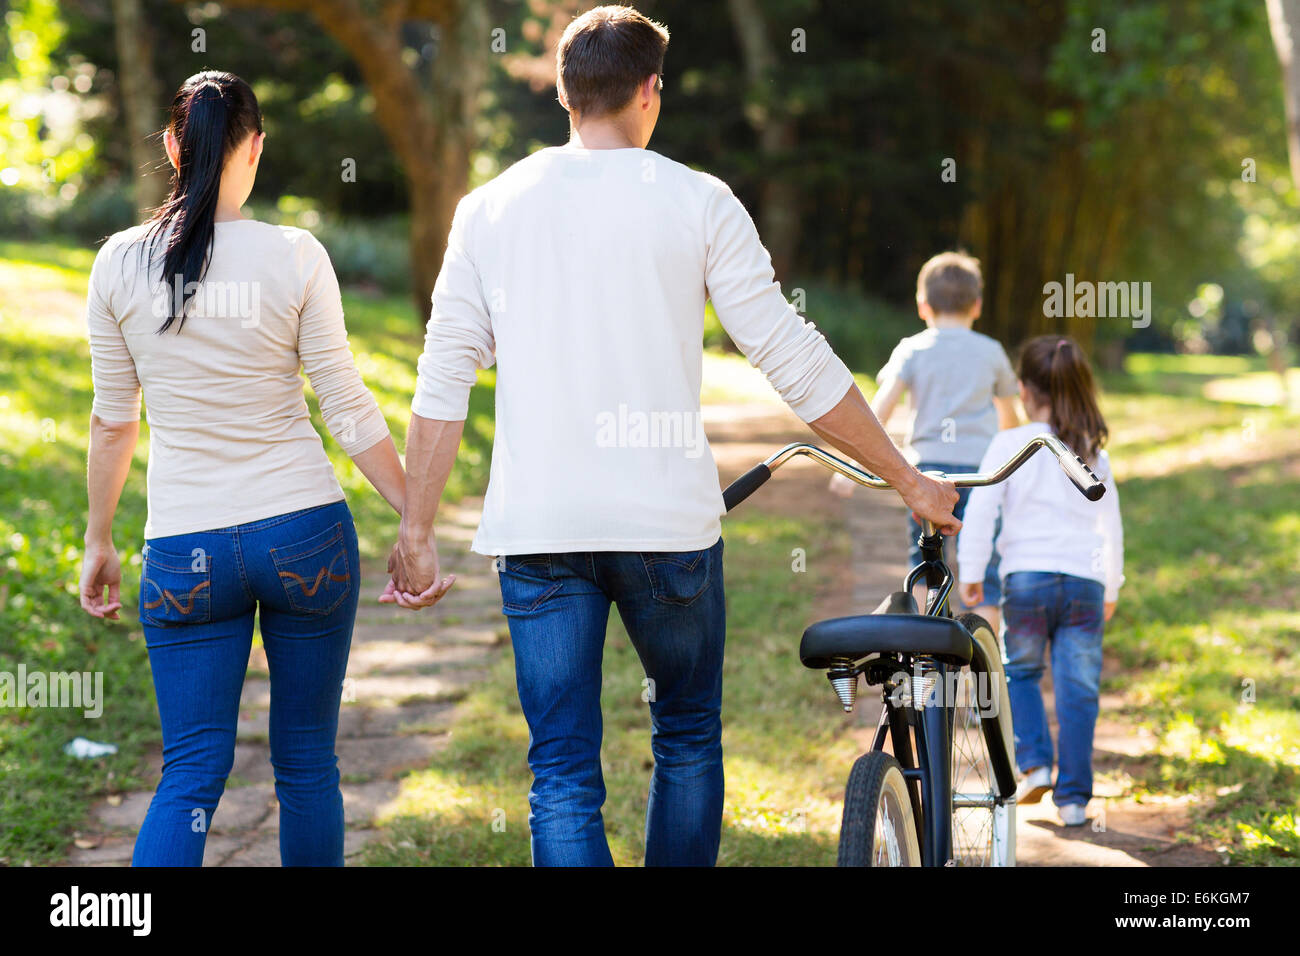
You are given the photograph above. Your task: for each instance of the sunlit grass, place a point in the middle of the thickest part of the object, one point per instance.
(1207, 625)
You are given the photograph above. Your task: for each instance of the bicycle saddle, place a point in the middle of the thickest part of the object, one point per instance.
(889, 630)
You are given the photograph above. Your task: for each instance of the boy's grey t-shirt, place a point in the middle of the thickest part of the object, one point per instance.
(952, 375)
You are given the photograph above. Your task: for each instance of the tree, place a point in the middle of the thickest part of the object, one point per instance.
(140, 104)
(779, 196)
(424, 100)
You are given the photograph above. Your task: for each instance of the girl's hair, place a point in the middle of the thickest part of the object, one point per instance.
(212, 113)
(1057, 375)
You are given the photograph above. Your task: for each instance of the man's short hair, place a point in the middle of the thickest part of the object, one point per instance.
(604, 55)
(950, 283)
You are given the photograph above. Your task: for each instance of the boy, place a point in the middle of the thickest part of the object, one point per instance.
(961, 386)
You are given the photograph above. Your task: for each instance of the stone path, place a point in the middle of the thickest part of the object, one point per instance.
(407, 671)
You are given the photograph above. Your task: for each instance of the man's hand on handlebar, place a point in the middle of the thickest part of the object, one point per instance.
(932, 499)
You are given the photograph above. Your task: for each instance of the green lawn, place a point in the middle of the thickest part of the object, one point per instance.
(1207, 627)
(1206, 631)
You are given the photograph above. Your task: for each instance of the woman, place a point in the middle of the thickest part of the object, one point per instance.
(212, 315)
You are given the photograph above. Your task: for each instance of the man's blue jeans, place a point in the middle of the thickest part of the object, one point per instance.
(198, 595)
(673, 608)
(1067, 612)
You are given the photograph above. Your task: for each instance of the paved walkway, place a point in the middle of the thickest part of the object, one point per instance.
(407, 671)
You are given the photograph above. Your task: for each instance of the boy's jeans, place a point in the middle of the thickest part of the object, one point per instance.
(992, 585)
(198, 595)
(672, 606)
(1041, 608)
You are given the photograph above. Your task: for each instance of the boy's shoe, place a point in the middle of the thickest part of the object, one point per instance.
(1073, 814)
(1036, 783)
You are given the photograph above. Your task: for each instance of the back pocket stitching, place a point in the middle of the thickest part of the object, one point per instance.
(278, 558)
(165, 595)
(656, 589)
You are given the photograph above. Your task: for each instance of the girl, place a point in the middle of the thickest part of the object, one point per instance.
(212, 315)
(1062, 566)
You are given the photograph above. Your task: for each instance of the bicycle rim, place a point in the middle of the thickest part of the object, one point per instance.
(976, 819)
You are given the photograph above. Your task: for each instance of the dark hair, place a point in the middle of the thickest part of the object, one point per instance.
(1057, 375)
(950, 283)
(604, 55)
(212, 113)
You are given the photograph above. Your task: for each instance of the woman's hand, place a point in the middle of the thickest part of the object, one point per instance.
(1108, 610)
(972, 594)
(101, 570)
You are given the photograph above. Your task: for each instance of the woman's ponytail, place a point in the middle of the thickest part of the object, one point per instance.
(211, 114)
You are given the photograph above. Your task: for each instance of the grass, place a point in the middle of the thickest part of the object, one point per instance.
(1206, 629)
(45, 396)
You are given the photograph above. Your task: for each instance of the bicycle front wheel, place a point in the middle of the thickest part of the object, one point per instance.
(878, 828)
(983, 817)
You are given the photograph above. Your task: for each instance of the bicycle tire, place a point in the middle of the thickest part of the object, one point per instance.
(982, 836)
(877, 828)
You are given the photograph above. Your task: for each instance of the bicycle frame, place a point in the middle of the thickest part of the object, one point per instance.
(928, 769)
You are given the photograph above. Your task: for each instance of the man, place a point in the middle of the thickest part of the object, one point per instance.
(583, 271)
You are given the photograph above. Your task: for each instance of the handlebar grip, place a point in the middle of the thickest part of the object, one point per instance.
(1077, 470)
(746, 485)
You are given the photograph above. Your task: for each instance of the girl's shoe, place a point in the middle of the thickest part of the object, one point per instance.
(1036, 783)
(1073, 814)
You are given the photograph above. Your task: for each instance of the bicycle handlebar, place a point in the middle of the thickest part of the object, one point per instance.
(1089, 485)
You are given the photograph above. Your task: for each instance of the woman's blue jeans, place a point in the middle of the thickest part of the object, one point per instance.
(1067, 612)
(673, 608)
(198, 596)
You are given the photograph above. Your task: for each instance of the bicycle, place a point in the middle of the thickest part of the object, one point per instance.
(946, 709)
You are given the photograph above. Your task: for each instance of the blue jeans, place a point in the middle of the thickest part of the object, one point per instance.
(198, 595)
(992, 585)
(672, 606)
(1041, 608)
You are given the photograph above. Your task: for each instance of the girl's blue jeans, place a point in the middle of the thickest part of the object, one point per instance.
(198, 596)
(1042, 609)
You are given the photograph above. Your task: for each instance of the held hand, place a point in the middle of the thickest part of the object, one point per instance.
(1108, 610)
(101, 569)
(415, 580)
(933, 499)
(972, 595)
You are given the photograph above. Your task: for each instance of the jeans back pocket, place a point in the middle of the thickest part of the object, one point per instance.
(175, 589)
(527, 582)
(315, 573)
(678, 577)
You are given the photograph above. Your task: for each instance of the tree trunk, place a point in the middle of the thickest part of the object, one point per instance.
(140, 106)
(778, 197)
(1284, 23)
